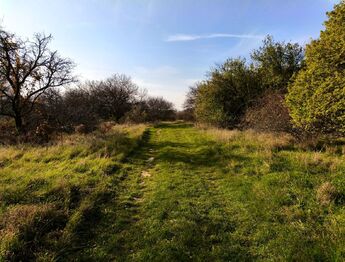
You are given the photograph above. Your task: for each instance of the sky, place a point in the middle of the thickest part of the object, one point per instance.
(164, 45)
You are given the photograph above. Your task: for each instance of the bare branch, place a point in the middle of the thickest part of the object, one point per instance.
(27, 70)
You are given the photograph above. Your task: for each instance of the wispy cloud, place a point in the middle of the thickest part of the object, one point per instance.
(186, 37)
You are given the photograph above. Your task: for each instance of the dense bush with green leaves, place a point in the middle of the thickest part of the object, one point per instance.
(317, 96)
(222, 99)
(235, 85)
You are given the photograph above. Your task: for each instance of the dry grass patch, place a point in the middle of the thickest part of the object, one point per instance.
(326, 193)
(23, 227)
(253, 138)
(18, 216)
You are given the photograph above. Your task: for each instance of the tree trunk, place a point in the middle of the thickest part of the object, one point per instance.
(19, 124)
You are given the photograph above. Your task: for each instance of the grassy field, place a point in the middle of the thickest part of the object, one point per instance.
(51, 196)
(182, 194)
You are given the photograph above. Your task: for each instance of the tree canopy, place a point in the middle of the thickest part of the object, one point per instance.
(276, 62)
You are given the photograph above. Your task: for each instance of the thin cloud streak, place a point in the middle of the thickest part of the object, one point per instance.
(186, 37)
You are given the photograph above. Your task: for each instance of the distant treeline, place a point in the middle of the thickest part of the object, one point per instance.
(33, 107)
(285, 87)
(115, 99)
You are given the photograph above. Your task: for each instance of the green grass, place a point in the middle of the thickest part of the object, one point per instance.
(185, 194)
(50, 196)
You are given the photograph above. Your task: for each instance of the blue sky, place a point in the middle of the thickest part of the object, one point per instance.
(164, 45)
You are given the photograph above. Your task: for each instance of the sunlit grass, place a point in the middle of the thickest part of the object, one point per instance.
(294, 196)
(184, 194)
(63, 182)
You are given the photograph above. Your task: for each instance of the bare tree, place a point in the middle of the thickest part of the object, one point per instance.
(113, 98)
(189, 103)
(27, 70)
(159, 109)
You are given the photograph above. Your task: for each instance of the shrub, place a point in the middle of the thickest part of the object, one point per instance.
(138, 114)
(232, 87)
(222, 99)
(159, 109)
(80, 129)
(316, 98)
(268, 113)
(8, 131)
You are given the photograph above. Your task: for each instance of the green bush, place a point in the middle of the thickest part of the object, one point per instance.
(222, 99)
(235, 85)
(316, 98)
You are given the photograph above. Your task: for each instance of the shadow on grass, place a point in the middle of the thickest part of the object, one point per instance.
(196, 154)
(141, 151)
(174, 125)
(206, 156)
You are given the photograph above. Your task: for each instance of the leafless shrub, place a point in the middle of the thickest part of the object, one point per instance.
(105, 127)
(80, 129)
(138, 114)
(268, 113)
